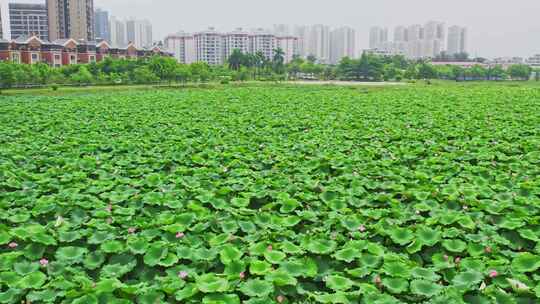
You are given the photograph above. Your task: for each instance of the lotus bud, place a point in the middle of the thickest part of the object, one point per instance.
(362, 228)
(269, 248)
(44, 262)
(489, 250)
(493, 274)
(13, 245)
(280, 299)
(242, 275)
(132, 230)
(457, 260)
(182, 274)
(180, 235)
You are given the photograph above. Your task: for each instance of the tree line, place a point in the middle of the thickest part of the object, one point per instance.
(242, 67)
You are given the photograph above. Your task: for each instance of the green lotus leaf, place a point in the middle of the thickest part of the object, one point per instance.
(338, 283)
(256, 288)
(108, 286)
(396, 286)
(46, 296)
(93, 260)
(321, 246)
(274, 256)
(259, 267)
(32, 281)
(87, 299)
(425, 288)
(454, 245)
(289, 205)
(155, 254)
(10, 296)
(468, 279)
(290, 248)
(240, 202)
(170, 260)
(401, 236)
(70, 255)
(112, 247)
(369, 261)
(230, 254)
(4, 237)
(24, 268)
(98, 237)
(43, 238)
(281, 278)
(293, 268)
(137, 245)
(427, 236)
(258, 301)
(336, 298)
(425, 274)
(247, 227)
(69, 236)
(348, 254)
(234, 269)
(397, 269)
(221, 299)
(150, 298)
(187, 292)
(210, 283)
(526, 262)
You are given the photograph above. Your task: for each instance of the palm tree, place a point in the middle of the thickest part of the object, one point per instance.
(279, 60)
(236, 59)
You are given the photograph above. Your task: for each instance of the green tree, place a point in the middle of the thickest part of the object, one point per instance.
(426, 71)
(236, 59)
(519, 71)
(183, 73)
(278, 61)
(144, 74)
(7, 77)
(496, 73)
(163, 67)
(82, 77)
(311, 58)
(200, 71)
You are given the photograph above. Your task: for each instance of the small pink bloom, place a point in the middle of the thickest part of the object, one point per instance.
(457, 260)
(180, 235)
(446, 257)
(183, 274)
(493, 274)
(377, 280)
(132, 230)
(362, 228)
(489, 250)
(109, 208)
(270, 248)
(280, 299)
(242, 275)
(44, 262)
(13, 245)
(109, 221)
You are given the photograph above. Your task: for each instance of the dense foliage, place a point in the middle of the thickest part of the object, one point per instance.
(242, 67)
(272, 195)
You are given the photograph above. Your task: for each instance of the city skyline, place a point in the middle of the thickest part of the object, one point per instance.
(489, 22)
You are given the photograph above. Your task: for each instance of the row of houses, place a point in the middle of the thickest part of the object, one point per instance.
(32, 50)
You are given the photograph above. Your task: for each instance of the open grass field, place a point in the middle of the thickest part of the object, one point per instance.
(272, 194)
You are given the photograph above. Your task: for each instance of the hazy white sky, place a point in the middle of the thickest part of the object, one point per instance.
(496, 27)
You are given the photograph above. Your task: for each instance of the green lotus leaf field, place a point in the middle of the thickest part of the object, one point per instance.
(272, 194)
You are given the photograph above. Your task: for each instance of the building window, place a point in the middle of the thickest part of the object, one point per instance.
(16, 57)
(72, 59)
(92, 58)
(34, 58)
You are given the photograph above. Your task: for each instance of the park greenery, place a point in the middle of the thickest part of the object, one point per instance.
(244, 67)
(265, 195)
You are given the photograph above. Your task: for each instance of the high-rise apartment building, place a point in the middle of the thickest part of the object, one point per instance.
(343, 44)
(289, 46)
(457, 40)
(282, 30)
(209, 47)
(139, 32)
(400, 34)
(319, 42)
(377, 37)
(24, 19)
(117, 30)
(236, 40)
(182, 45)
(302, 33)
(102, 26)
(71, 19)
(263, 42)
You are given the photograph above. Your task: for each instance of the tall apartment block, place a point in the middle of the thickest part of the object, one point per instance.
(377, 37)
(457, 40)
(343, 44)
(71, 19)
(182, 45)
(209, 47)
(236, 40)
(289, 45)
(263, 42)
(117, 30)
(24, 19)
(102, 26)
(139, 32)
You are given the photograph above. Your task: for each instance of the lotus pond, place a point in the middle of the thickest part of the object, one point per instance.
(272, 195)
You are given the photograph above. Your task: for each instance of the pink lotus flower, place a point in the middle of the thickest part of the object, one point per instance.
(182, 274)
(377, 280)
(44, 262)
(242, 275)
(489, 250)
(269, 248)
(493, 274)
(446, 257)
(362, 228)
(132, 230)
(13, 245)
(180, 235)
(457, 260)
(280, 299)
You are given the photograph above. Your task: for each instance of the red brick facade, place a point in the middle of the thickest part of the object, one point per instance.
(69, 51)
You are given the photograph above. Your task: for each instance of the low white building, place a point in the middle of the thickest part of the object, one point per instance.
(534, 61)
